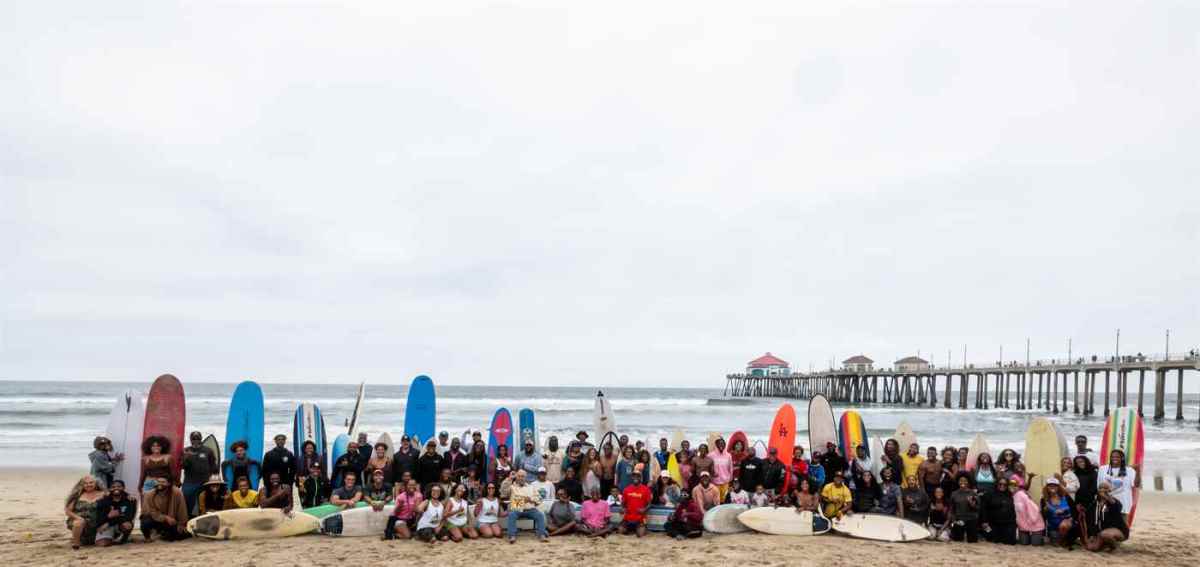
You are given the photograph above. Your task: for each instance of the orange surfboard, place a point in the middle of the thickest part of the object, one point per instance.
(783, 437)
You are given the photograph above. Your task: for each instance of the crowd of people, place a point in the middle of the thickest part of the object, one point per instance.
(450, 492)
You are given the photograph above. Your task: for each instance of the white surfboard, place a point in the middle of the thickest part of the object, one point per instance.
(676, 440)
(356, 522)
(723, 519)
(602, 417)
(252, 523)
(877, 458)
(125, 431)
(879, 527)
(822, 427)
(978, 445)
(782, 521)
(386, 439)
(904, 436)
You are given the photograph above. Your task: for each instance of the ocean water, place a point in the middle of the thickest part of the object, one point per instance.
(53, 423)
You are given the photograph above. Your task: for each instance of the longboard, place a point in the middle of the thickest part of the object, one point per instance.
(880, 527)
(979, 445)
(500, 433)
(1125, 431)
(251, 523)
(124, 429)
(783, 438)
(852, 434)
(420, 412)
(904, 436)
(783, 521)
(528, 428)
(341, 444)
(352, 425)
(603, 419)
(308, 425)
(1043, 454)
(166, 414)
(245, 423)
(822, 429)
(357, 522)
(723, 519)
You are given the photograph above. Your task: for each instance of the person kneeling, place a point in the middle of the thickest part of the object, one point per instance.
(687, 521)
(115, 513)
(1106, 521)
(164, 512)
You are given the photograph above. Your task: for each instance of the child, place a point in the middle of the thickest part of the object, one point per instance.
(614, 497)
(760, 498)
(736, 494)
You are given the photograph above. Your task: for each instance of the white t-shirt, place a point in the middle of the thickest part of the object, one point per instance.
(1122, 486)
(739, 497)
(544, 488)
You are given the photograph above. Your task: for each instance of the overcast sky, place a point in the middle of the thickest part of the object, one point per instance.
(621, 193)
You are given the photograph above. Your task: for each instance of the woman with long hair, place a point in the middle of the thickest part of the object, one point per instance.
(805, 498)
(1007, 463)
(1059, 511)
(432, 514)
(156, 461)
(1106, 522)
(939, 512)
(590, 468)
(985, 474)
(624, 468)
(999, 516)
(1121, 478)
(488, 512)
(80, 507)
(212, 495)
(457, 515)
(1085, 472)
(916, 501)
(501, 465)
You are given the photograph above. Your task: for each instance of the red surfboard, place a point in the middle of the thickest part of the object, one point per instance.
(783, 438)
(500, 433)
(165, 416)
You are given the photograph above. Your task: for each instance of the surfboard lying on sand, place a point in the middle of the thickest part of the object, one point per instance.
(723, 519)
(251, 523)
(880, 527)
(783, 521)
(323, 510)
(357, 522)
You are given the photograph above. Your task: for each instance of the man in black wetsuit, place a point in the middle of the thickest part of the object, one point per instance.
(280, 460)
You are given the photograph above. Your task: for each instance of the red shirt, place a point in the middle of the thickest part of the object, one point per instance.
(635, 499)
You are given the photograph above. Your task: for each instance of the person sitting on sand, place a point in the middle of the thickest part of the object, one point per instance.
(524, 504)
(488, 512)
(594, 517)
(636, 499)
(561, 518)
(212, 496)
(737, 494)
(706, 494)
(164, 512)
(81, 513)
(457, 515)
(115, 514)
(686, 521)
(349, 494)
(805, 498)
(837, 498)
(279, 495)
(241, 464)
(432, 514)
(243, 497)
(403, 521)
(378, 493)
(1106, 520)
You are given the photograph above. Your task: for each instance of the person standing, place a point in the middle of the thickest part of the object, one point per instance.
(773, 473)
(104, 463)
(528, 459)
(241, 464)
(722, 467)
(552, 459)
(280, 460)
(569, 483)
(608, 466)
(429, 466)
(1082, 450)
(912, 460)
(1121, 479)
(164, 512)
(199, 463)
(157, 462)
(455, 460)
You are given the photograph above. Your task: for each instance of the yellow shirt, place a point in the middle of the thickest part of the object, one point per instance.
(836, 498)
(911, 464)
(250, 500)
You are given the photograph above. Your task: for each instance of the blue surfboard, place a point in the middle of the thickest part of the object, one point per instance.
(309, 425)
(340, 444)
(528, 429)
(420, 413)
(245, 424)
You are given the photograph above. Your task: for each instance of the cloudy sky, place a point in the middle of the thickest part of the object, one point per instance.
(625, 193)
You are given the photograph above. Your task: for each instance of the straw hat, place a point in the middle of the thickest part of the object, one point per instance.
(214, 479)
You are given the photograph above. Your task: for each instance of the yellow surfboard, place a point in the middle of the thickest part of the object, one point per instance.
(673, 469)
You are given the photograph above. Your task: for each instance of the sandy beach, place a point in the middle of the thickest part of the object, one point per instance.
(33, 533)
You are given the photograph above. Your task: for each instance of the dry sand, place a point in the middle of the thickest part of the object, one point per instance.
(33, 533)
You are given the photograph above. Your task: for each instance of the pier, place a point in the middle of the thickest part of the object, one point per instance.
(1041, 384)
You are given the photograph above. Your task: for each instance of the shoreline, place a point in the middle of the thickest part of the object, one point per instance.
(34, 531)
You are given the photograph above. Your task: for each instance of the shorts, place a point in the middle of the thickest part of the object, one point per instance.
(631, 526)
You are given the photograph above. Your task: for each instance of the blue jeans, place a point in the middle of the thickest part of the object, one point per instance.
(190, 492)
(539, 521)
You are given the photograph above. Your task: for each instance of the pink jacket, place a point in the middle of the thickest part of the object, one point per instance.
(1029, 514)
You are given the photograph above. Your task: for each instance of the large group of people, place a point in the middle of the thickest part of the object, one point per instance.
(448, 491)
